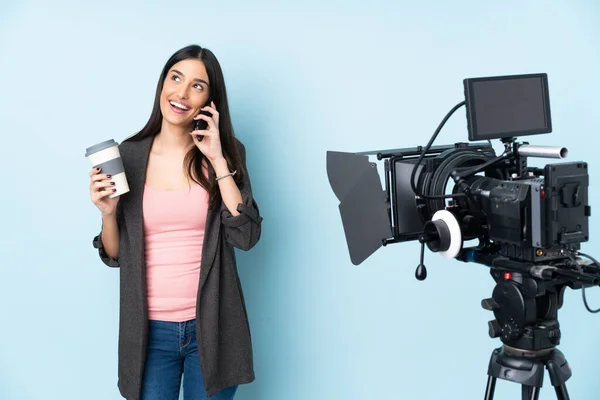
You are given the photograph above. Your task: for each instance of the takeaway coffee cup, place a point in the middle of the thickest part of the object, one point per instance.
(106, 156)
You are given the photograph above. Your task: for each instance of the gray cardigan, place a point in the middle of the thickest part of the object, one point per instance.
(223, 332)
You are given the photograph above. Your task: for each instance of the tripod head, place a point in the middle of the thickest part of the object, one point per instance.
(527, 297)
(526, 311)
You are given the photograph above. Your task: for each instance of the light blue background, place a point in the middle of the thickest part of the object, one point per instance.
(303, 78)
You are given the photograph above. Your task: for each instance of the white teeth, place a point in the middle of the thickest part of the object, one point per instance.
(180, 106)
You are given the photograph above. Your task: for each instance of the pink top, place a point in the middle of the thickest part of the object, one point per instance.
(174, 223)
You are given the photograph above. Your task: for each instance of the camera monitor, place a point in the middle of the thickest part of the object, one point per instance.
(507, 106)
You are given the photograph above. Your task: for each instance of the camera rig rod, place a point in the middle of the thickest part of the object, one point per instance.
(526, 150)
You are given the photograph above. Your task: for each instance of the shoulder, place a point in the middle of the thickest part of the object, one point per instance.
(131, 146)
(127, 146)
(133, 152)
(126, 150)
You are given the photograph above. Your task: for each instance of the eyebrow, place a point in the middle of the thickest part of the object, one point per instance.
(196, 80)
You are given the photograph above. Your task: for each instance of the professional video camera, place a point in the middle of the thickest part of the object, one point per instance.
(528, 222)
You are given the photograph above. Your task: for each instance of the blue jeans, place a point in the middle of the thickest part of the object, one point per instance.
(173, 353)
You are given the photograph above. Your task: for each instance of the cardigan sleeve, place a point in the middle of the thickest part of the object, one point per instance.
(97, 243)
(243, 231)
(106, 259)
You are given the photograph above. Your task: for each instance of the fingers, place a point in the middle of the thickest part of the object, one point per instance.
(94, 171)
(100, 177)
(198, 136)
(213, 110)
(99, 195)
(102, 184)
(210, 121)
(97, 177)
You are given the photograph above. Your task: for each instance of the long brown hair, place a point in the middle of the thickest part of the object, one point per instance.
(194, 158)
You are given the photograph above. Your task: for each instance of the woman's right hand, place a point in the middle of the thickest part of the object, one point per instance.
(100, 188)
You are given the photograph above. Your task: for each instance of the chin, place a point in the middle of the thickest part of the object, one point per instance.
(177, 120)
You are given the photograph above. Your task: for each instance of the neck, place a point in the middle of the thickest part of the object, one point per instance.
(174, 138)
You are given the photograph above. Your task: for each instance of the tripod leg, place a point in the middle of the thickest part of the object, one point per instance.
(560, 372)
(530, 392)
(561, 392)
(535, 393)
(491, 386)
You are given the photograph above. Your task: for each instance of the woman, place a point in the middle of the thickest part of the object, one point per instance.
(182, 310)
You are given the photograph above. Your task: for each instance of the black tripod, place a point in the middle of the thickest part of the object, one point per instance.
(526, 322)
(527, 368)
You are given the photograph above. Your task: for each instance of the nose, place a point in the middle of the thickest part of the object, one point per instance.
(182, 93)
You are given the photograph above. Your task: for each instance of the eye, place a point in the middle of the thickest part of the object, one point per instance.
(175, 77)
(198, 86)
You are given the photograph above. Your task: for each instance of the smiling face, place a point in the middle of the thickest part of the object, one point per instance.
(185, 91)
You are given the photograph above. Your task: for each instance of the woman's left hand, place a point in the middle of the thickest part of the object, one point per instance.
(210, 145)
